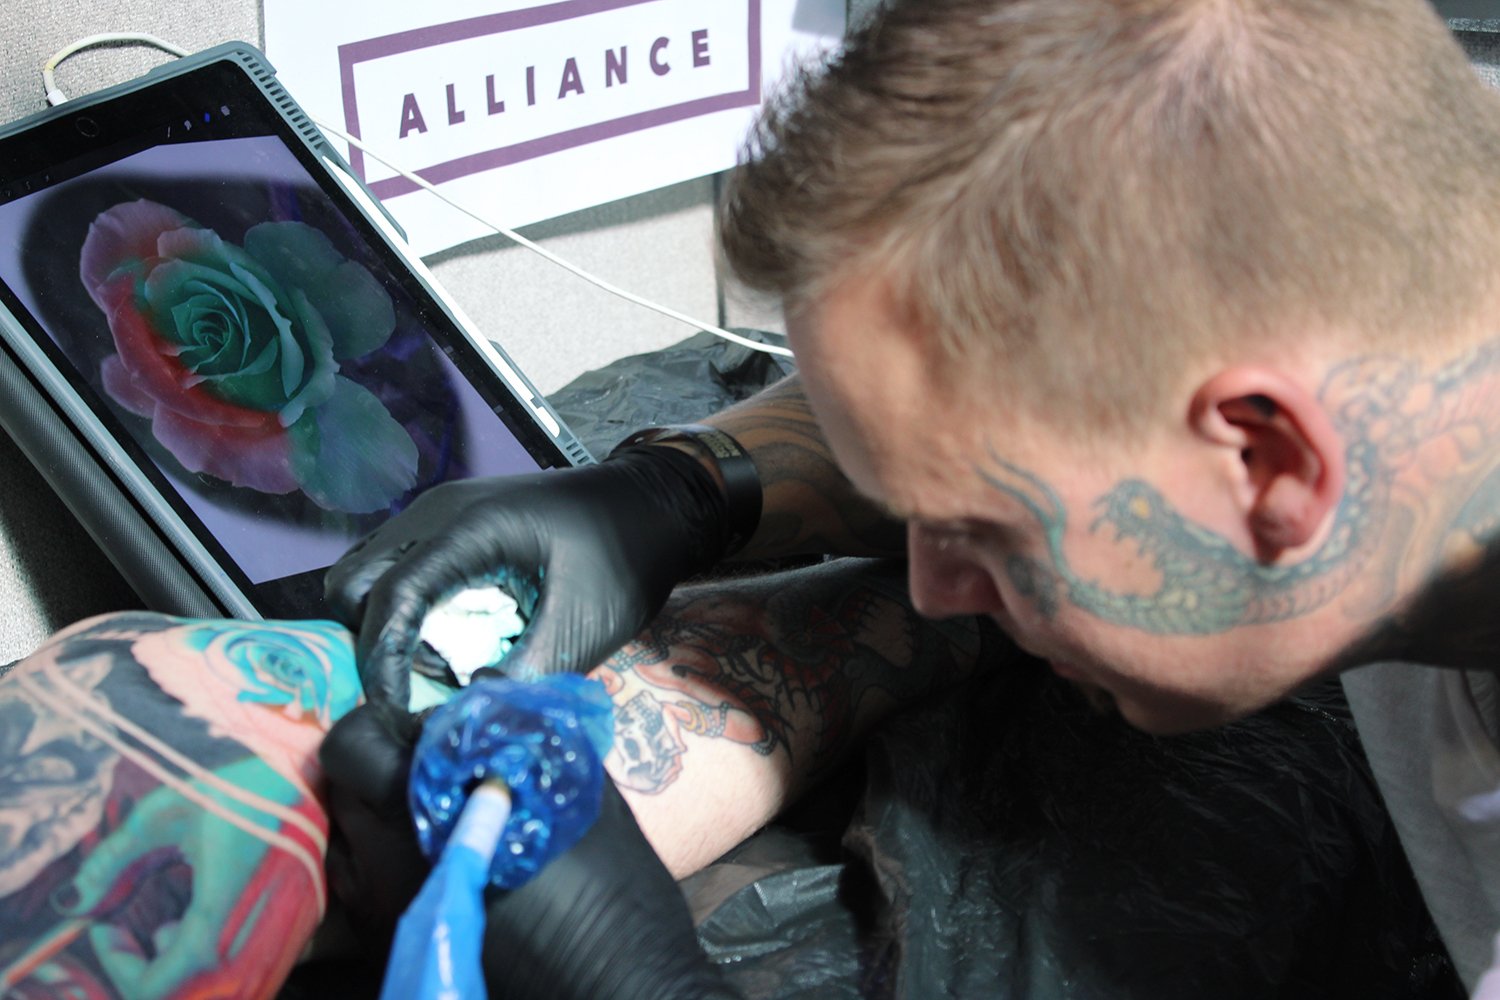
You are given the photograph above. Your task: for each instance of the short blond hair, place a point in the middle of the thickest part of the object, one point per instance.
(1096, 192)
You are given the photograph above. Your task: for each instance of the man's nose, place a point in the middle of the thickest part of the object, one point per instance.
(945, 579)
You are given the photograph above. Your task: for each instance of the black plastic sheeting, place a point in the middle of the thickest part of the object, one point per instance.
(1007, 840)
(677, 385)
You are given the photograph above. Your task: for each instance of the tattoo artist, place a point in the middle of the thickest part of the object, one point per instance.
(1167, 333)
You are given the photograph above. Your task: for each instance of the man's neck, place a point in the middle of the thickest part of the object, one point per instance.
(1423, 444)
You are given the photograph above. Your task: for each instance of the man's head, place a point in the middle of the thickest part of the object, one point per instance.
(1138, 312)
(1099, 192)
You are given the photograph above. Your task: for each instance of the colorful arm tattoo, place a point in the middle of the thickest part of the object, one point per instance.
(793, 665)
(809, 506)
(161, 829)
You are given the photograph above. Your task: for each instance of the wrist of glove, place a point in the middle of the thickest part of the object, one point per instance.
(733, 467)
(690, 494)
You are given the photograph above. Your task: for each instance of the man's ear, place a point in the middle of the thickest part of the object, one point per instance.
(1291, 459)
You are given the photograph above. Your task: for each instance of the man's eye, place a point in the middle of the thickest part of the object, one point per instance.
(991, 538)
(952, 541)
(956, 533)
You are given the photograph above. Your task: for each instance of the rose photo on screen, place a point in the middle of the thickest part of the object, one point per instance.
(250, 342)
(233, 353)
(253, 346)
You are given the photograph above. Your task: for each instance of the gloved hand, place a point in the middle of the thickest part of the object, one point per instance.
(375, 867)
(590, 553)
(604, 920)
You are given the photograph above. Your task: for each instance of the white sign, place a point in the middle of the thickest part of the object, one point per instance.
(522, 111)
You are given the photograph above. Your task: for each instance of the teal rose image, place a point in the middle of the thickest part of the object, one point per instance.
(303, 669)
(232, 352)
(275, 687)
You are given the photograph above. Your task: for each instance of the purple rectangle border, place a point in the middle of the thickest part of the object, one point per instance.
(354, 53)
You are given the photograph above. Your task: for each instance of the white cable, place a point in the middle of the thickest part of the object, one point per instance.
(56, 97)
(566, 265)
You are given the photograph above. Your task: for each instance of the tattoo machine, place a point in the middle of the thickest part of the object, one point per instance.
(507, 775)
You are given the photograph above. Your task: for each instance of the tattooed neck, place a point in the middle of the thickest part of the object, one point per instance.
(1422, 494)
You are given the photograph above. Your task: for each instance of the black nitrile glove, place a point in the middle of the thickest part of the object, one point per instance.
(375, 866)
(604, 920)
(597, 548)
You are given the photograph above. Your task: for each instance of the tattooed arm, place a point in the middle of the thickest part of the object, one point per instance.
(741, 695)
(161, 830)
(809, 507)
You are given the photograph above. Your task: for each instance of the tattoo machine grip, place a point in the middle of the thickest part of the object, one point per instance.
(505, 777)
(545, 741)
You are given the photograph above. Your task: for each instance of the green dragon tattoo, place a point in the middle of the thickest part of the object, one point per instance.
(1384, 409)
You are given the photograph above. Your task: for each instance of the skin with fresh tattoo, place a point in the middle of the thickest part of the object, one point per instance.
(741, 695)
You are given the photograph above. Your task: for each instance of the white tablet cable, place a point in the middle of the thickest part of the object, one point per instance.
(56, 97)
(49, 80)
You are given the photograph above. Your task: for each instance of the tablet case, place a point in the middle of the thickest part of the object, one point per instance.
(99, 481)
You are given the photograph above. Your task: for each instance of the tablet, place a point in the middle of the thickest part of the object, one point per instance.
(218, 349)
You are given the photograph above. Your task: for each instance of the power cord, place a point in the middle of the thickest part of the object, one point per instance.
(566, 265)
(55, 97)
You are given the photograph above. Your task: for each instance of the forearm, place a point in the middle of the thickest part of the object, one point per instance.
(156, 769)
(741, 695)
(808, 505)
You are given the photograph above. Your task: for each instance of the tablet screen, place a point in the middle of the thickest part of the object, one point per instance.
(257, 349)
